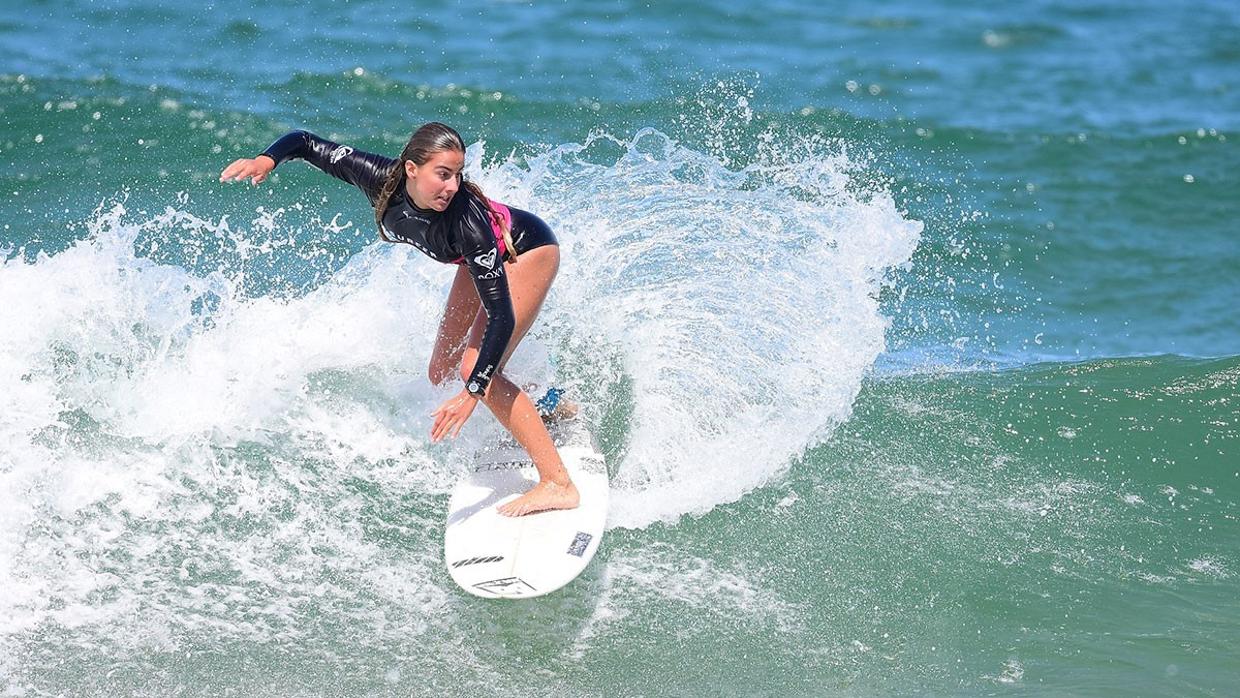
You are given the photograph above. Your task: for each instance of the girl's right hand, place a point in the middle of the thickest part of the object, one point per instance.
(254, 169)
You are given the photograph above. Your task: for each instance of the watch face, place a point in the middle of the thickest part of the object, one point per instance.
(473, 387)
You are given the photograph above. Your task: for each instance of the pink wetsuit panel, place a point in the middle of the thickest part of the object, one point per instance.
(497, 231)
(504, 213)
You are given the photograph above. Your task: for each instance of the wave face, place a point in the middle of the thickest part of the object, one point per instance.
(907, 332)
(191, 445)
(725, 317)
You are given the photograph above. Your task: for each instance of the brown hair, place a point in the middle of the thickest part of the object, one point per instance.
(431, 138)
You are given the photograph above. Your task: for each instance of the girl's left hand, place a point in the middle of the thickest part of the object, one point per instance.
(451, 415)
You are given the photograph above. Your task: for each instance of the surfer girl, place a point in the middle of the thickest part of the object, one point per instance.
(506, 260)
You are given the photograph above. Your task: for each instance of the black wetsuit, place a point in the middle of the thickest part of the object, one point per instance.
(462, 233)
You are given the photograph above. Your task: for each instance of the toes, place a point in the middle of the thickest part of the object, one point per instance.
(513, 508)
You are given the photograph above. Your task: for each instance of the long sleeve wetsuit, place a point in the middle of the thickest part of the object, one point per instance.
(462, 233)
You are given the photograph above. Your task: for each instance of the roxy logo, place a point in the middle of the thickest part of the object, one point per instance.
(493, 274)
(339, 153)
(486, 260)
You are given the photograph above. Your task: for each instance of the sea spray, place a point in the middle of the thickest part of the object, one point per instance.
(738, 307)
(209, 446)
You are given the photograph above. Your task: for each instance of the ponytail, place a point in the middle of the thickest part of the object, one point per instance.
(394, 179)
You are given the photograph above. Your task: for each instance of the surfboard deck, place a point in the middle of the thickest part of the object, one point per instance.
(496, 556)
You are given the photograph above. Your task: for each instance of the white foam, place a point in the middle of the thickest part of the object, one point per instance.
(723, 319)
(663, 575)
(133, 414)
(740, 304)
(1209, 566)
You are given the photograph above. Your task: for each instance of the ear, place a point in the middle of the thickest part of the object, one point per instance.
(411, 169)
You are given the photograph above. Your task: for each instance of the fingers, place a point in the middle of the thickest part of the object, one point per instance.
(239, 169)
(444, 424)
(230, 170)
(243, 169)
(450, 419)
(437, 429)
(448, 427)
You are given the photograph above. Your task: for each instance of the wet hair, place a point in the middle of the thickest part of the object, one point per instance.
(429, 139)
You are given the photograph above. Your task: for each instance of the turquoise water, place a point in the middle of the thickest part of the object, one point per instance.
(908, 332)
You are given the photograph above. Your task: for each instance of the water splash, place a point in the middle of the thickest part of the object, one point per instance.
(202, 445)
(737, 309)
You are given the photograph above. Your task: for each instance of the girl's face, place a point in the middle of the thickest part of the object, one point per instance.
(433, 183)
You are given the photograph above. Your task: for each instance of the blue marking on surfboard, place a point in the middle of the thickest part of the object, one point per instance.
(580, 543)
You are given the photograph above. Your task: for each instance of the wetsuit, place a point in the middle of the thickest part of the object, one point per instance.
(463, 233)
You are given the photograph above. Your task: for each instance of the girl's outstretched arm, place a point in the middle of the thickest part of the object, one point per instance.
(366, 171)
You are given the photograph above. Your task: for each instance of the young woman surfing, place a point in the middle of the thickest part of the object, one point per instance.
(422, 199)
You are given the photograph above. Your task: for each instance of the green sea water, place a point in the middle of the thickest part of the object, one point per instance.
(907, 332)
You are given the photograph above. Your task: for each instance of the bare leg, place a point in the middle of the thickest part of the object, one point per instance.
(513, 408)
(528, 282)
(458, 316)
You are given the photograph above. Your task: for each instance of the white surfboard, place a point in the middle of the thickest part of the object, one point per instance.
(496, 556)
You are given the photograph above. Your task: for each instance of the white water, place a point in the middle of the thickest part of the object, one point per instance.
(742, 305)
(179, 444)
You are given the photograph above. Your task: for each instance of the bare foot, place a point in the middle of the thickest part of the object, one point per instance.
(564, 410)
(552, 406)
(542, 497)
